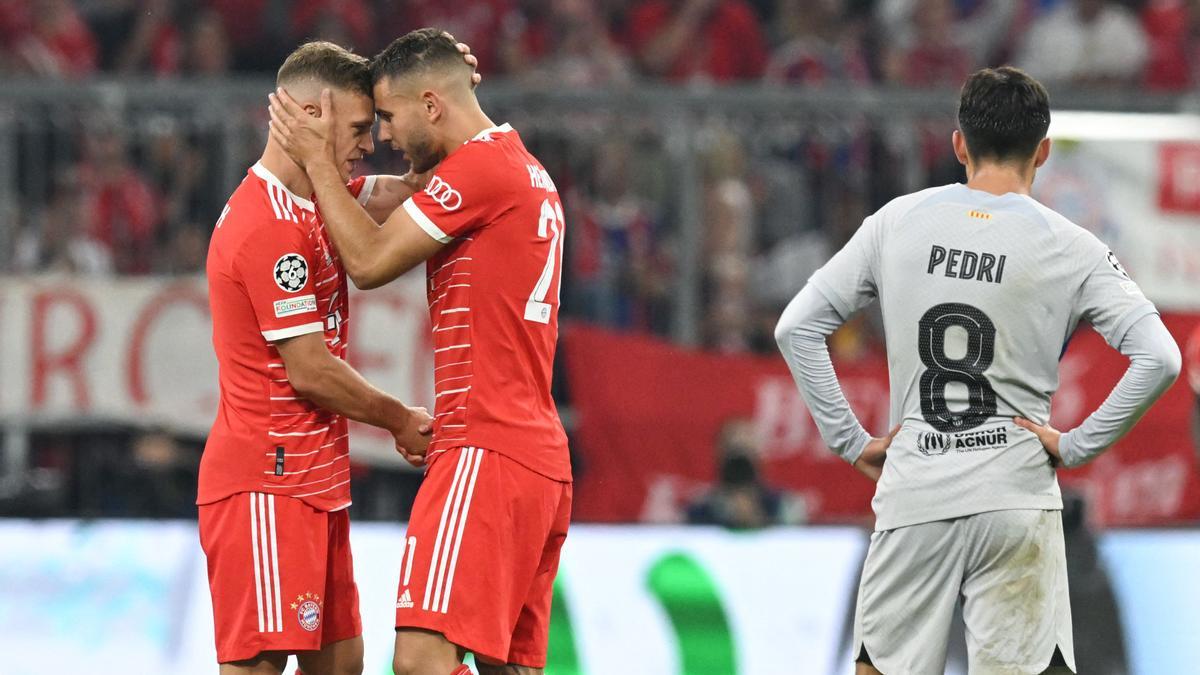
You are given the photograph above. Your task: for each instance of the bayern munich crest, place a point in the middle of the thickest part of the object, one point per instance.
(308, 611)
(291, 272)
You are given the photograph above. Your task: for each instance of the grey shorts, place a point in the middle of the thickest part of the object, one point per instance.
(1010, 569)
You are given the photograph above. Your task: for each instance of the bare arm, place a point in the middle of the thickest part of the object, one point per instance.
(389, 192)
(332, 384)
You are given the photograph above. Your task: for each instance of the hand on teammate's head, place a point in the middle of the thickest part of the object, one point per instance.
(470, 59)
(305, 138)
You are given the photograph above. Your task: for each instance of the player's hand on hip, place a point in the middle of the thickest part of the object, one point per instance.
(413, 436)
(1048, 435)
(870, 462)
(305, 137)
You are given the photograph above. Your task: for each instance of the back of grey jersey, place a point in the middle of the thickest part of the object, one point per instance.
(979, 294)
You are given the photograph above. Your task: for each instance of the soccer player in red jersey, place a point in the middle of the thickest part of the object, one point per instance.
(275, 475)
(483, 543)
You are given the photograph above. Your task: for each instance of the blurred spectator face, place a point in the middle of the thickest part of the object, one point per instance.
(612, 176)
(1089, 10)
(404, 124)
(934, 19)
(107, 152)
(208, 46)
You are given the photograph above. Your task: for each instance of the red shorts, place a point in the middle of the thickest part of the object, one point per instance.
(481, 555)
(280, 573)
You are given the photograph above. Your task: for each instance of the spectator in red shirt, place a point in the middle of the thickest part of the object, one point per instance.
(57, 42)
(698, 40)
(933, 58)
(124, 210)
(345, 22)
(479, 23)
(1173, 32)
(569, 46)
(820, 45)
(620, 274)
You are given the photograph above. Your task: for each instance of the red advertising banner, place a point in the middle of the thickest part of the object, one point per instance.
(649, 416)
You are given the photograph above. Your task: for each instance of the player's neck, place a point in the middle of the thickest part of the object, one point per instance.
(1000, 179)
(468, 126)
(293, 177)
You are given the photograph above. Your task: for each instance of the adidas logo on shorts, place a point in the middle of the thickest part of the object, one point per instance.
(404, 601)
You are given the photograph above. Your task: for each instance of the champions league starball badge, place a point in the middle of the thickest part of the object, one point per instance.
(308, 611)
(291, 272)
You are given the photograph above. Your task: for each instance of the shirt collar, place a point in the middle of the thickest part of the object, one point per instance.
(262, 172)
(502, 129)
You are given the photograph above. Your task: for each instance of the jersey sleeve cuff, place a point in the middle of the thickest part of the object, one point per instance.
(426, 224)
(364, 195)
(1071, 456)
(855, 448)
(293, 331)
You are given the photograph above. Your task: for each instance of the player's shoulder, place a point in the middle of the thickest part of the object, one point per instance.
(496, 152)
(904, 205)
(1064, 228)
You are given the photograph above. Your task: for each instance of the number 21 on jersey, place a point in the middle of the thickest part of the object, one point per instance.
(550, 225)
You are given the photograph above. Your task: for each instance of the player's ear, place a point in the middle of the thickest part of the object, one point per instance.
(1042, 154)
(312, 109)
(960, 146)
(434, 106)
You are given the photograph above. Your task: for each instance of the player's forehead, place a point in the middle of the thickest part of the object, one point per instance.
(353, 107)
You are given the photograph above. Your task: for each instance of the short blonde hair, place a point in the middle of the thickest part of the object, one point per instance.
(329, 64)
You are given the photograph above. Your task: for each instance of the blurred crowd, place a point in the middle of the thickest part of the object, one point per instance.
(132, 192)
(1148, 43)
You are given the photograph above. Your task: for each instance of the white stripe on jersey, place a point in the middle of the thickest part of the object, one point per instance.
(446, 349)
(452, 391)
(311, 482)
(299, 433)
(450, 262)
(460, 377)
(275, 206)
(344, 455)
(456, 310)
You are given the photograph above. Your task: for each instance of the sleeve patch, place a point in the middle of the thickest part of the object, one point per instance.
(291, 272)
(444, 195)
(294, 306)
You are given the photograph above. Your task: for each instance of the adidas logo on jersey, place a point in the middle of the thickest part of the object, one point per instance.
(404, 601)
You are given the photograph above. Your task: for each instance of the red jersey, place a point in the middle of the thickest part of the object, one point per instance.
(272, 275)
(493, 301)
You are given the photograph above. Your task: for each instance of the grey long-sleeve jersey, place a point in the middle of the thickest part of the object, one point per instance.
(979, 292)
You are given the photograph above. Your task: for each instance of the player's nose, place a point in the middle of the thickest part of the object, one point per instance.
(368, 145)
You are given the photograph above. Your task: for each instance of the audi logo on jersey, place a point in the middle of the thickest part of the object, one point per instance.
(441, 192)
